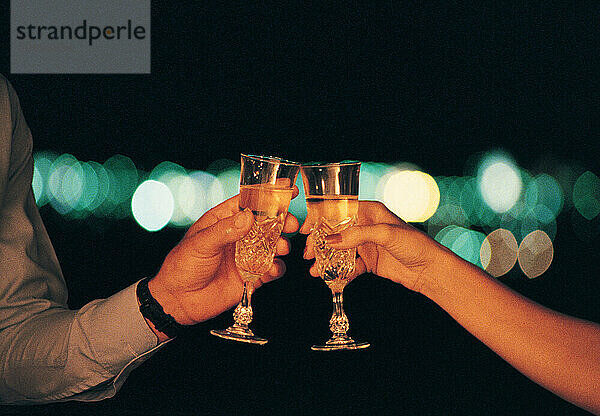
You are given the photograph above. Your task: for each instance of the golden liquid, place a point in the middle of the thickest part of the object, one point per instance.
(331, 215)
(255, 251)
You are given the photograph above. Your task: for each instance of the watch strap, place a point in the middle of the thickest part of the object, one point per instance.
(153, 311)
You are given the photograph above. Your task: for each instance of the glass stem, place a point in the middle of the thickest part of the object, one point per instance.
(338, 324)
(242, 314)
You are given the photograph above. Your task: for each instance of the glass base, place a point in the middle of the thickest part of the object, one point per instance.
(341, 343)
(239, 333)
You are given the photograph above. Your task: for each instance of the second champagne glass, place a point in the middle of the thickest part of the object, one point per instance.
(266, 185)
(331, 191)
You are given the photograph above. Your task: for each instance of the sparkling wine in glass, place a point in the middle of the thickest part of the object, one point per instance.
(266, 186)
(332, 203)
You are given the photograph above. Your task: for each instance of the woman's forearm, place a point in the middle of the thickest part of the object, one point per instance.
(559, 352)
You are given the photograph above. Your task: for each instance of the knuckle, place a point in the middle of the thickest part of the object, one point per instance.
(378, 205)
(386, 232)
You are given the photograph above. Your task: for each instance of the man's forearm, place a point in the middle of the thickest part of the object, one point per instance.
(60, 354)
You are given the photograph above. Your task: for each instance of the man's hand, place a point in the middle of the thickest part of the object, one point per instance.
(198, 279)
(386, 246)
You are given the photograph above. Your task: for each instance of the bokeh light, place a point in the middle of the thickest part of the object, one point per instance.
(412, 195)
(449, 210)
(42, 162)
(531, 222)
(298, 205)
(207, 191)
(230, 182)
(90, 189)
(123, 180)
(462, 241)
(385, 171)
(152, 205)
(550, 198)
(103, 188)
(494, 194)
(65, 183)
(499, 183)
(586, 195)
(498, 252)
(38, 186)
(567, 174)
(535, 255)
(175, 177)
(370, 175)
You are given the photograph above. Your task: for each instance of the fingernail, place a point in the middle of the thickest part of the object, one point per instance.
(333, 238)
(240, 219)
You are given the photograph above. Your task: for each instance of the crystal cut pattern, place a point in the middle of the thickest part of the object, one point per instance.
(335, 266)
(242, 314)
(255, 251)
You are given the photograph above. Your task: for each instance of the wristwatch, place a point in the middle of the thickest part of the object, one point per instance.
(152, 311)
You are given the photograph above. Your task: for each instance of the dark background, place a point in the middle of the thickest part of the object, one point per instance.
(389, 81)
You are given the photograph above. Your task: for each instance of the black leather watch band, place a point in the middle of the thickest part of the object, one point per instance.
(152, 311)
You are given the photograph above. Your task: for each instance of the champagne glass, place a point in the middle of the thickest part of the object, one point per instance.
(266, 185)
(332, 203)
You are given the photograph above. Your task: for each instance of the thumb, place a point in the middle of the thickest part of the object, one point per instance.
(228, 230)
(400, 241)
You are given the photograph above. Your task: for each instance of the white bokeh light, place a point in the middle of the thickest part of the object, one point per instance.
(500, 185)
(152, 205)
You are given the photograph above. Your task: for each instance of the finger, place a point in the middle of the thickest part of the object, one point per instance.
(309, 249)
(282, 247)
(402, 241)
(211, 240)
(291, 224)
(309, 222)
(359, 268)
(381, 234)
(373, 212)
(306, 225)
(314, 271)
(225, 209)
(295, 192)
(275, 272)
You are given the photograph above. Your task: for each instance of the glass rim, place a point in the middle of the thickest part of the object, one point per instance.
(331, 164)
(271, 159)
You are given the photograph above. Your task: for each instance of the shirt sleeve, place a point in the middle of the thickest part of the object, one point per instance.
(48, 352)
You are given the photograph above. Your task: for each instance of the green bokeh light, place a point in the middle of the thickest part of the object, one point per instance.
(230, 182)
(462, 241)
(370, 175)
(298, 204)
(468, 246)
(65, 183)
(101, 194)
(42, 168)
(123, 180)
(90, 190)
(550, 199)
(175, 177)
(586, 195)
